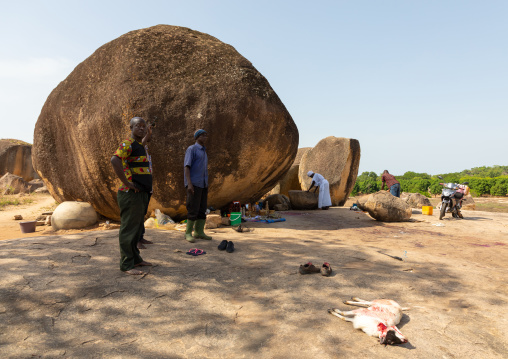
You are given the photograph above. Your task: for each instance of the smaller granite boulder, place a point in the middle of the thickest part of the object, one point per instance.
(213, 221)
(276, 199)
(16, 158)
(73, 215)
(417, 200)
(384, 207)
(468, 203)
(12, 184)
(281, 207)
(35, 184)
(42, 189)
(303, 200)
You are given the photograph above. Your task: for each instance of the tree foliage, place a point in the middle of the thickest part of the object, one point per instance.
(482, 180)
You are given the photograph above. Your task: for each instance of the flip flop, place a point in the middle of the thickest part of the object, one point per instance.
(199, 252)
(192, 252)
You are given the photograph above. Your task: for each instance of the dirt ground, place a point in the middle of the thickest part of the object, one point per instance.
(63, 296)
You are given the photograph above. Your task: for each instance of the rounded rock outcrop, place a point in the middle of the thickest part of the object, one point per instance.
(337, 159)
(384, 207)
(73, 215)
(12, 184)
(185, 80)
(278, 199)
(468, 203)
(16, 158)
(303, 200)
(417, 200)
(290, 182)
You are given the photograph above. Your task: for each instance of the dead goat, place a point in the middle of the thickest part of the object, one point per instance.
(378, 319)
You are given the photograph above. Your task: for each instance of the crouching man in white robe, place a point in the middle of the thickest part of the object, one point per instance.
(324, 200)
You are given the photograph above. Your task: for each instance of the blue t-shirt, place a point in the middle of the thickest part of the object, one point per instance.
(197, 160)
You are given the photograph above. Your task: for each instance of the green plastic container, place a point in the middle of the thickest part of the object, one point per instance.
(235, 218)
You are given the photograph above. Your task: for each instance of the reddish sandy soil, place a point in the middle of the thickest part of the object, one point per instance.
(62, 294)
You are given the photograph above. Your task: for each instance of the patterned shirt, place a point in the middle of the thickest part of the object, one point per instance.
(136, 165)
(389, 179)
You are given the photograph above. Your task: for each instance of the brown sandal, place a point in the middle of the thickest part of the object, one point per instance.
(134, 272)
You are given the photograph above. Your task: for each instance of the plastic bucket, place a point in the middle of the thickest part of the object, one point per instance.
(236, 218)
(27, 226)
(427, 210)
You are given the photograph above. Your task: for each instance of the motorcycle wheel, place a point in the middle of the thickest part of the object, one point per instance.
(442, 211)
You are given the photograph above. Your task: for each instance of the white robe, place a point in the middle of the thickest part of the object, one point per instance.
(324, 199)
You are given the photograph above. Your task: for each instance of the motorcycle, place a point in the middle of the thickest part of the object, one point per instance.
(452, 196)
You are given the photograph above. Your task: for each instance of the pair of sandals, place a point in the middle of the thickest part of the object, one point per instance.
(195, 252)
(228, 246)
(308, 268)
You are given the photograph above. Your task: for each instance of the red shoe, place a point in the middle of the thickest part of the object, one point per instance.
(308, 268)
(326, 269)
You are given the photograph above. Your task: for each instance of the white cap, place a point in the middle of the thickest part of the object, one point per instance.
(310, 173)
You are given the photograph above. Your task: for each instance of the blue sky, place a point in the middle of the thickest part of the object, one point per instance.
(423, 85)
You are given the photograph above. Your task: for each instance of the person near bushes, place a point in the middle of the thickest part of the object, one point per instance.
(196, 182)
(131, 165)
(392, 184)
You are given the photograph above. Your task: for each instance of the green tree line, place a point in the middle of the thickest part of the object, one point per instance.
(482, 180)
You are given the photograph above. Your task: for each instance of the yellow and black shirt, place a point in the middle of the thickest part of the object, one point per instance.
(136, 165)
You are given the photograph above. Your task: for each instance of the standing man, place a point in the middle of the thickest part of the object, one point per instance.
(324, 200)
(131, 165)
(142, 241)
(196, 181)
(392, 184)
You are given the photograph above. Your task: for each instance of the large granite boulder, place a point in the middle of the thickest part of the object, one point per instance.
(337, 160)
(384, 207)
(12, 184)
(16, 158)
(417, 200)
(73, 215)
(187, 80)
(303, 200)
(290, 181)
(278, 199)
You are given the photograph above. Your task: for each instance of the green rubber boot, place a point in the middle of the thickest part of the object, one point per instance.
(200, 229)
(188, 231)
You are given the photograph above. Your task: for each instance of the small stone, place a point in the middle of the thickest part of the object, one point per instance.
(18, 217)
(213, 221)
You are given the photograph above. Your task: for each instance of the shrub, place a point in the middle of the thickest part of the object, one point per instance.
(499, 189)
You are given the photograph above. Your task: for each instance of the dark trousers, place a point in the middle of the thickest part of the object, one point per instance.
(196, 204)
(132, 217)
(146, 211)
(395, 189)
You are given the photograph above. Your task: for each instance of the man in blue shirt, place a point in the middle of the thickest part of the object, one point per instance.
(196, 181)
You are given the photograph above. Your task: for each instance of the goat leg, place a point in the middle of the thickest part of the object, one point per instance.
(358, 302)
(341, 314)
